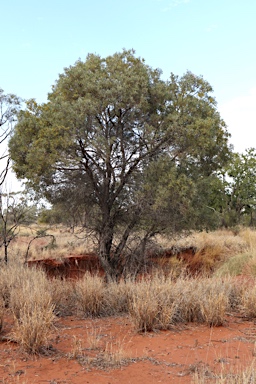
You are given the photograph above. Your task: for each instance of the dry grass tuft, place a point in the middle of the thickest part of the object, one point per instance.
(234, 265)
(114, 355)
(77, 349)
(63, 297)
(159, 303)
(111, 355)
(244, 376)
(93, 338)
(33, 329)
(152, 304)
(118, 296)
(33, 310)
(2, 310)
(248, 302)
(90, 295)
(214, 303)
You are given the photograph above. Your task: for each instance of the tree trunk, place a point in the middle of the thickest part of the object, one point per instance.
(6, 252)
(105, 247)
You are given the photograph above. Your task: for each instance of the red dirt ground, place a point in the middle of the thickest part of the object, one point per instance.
(161, 357)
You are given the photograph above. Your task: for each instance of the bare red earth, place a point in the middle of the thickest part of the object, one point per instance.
(167, 356)
(163, 357)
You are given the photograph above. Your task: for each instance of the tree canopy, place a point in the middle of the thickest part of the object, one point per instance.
(127, 145)
(9, 106)
(241, 188)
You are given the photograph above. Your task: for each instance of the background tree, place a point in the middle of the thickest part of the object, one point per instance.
(14, 212)
(9, 106)
(241, 188)
(130, 140)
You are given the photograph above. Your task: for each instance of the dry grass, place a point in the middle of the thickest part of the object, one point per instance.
(224, 239)
(248, 302)
(90, 295)
(114, 354)
(111, 355)
(223, 252)
(33, 328)
(93, 338)
(152, 304)
(157, 302)
(77, 349)
(63, 297)
(2, 310)
(213, 248)
(244, 376)
(118, 296)
(26, 293)
(249, 237)
(93, 297)
(66, 243)
(234, 265)
(214, 303)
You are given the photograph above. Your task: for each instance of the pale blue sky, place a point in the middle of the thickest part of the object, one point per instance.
(215, 39)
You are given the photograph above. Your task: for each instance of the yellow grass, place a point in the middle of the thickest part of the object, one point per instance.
(157, 302)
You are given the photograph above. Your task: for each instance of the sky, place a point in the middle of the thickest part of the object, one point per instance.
(212, 38)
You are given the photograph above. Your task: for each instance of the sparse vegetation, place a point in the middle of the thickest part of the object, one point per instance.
(243, 376)
(125, 173)
(164, 298)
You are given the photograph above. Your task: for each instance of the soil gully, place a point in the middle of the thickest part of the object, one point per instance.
(80, 350)
(70, 267)
(74, 266)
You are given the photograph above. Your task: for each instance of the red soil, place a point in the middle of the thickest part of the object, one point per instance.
(166, 356)
(73, 266)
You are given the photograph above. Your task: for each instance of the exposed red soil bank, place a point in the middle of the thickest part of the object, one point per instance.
(70, 267)
(74, 266)
(163, 357)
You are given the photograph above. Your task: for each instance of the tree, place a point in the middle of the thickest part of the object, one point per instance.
(241, 187)
(9, 106)
(14, 212)
(116, 135)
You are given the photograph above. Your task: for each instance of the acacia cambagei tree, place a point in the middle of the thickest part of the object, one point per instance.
(117, 136)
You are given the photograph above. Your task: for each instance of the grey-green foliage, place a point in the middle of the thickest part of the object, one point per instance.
(119, 140)
(241, 188)
(9, 107)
